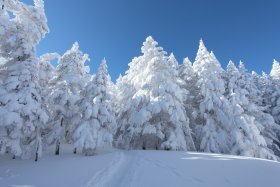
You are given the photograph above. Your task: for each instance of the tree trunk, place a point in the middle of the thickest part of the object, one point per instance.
(57, 147)
(39, 144)
(37, 152)
(36, 157)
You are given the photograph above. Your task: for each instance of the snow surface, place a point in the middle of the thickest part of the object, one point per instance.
(138, 168)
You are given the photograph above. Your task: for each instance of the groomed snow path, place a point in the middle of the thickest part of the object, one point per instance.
(140, 169)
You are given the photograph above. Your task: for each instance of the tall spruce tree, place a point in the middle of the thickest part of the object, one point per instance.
(96, 131)
(275, 71)
(256, 108)
(65, 96)
(189, 80)
(155, 117)
(275, 95)
(213, 113)
(246, 137)
(22, 113)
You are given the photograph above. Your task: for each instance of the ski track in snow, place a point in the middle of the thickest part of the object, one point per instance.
(136, 168)
(172, 170)
(101, 177)
(120, 172)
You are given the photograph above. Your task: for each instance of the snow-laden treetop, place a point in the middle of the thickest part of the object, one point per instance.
(148, 47)
(275, 71)
(27, 27)
(71, 64)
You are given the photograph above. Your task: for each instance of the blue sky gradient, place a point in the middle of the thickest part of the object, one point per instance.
(246, 30)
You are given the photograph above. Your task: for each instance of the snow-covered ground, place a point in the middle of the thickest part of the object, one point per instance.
(139, 169)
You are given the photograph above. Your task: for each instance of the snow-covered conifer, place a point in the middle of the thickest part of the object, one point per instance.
(213, 115)
(275, 96)
(189, 81)
(255, 107)
(173, 61)
(275, 71)
(22, 113)
(98, 125)
(245, 135)
(65, 97)
(153, 116)
(46, 73)
(275, 103)
(46, 69)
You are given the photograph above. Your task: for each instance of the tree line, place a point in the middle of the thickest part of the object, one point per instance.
(158, 104)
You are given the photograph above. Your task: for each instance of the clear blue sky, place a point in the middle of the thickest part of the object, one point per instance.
(247, 30)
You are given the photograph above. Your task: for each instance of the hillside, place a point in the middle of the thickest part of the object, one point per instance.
(139, 168)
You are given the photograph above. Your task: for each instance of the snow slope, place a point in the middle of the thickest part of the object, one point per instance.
(139, 168)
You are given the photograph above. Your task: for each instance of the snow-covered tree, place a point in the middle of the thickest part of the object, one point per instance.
(189, 80)
(274, 97)
(187, 73)
(46, 70)
(246, 137)
(98, 125)
(275, 71)
(271, 97)
(22, 113)
(65, 97)
(173, 61)
(213, 115)
(153, 116)
(275, 104)
(256, 108)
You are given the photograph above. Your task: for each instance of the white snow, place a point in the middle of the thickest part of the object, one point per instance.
(137, 168)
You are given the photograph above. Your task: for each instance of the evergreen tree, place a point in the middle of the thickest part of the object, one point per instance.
(256, 108)
(275, 71)
(21, 110)
(189, 80)
(173, 61)
(65, 97)
(99, 125)
(274, 97)
(246, 137)
(154, 117)
(275, 102)
(213, 115)
(46, 71)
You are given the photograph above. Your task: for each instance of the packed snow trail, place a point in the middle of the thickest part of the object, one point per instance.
(120, 172)
(167, 168)
(138, 168)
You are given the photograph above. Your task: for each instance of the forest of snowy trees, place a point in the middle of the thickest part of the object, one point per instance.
(158, 104)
